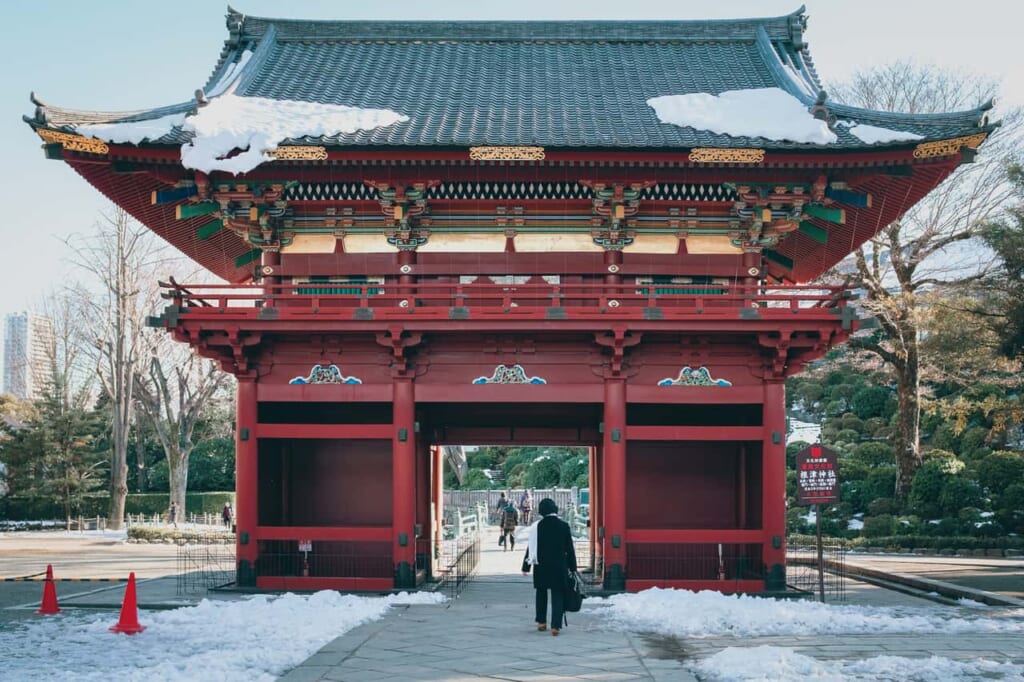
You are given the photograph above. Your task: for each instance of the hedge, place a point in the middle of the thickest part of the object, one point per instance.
(161, 533)
(917, 542)
(97, 504)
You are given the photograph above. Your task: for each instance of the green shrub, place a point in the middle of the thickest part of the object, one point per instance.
(879, 526)
(160, 533)
(959, 493)
(98, 504)
(999, 470)
(874, 454)
(883, 505)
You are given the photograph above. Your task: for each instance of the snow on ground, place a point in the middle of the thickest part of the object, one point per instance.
(781, 116)
(772, 664)
(683, 613)
(255, 639)
(805, 431)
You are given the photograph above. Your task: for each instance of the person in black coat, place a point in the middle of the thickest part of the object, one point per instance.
(551, 556)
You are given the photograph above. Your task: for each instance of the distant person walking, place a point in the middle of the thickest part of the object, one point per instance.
(227, 514)
(551, 555)
(507, 522)
(172, 514)
(500, 507)
(525, 507)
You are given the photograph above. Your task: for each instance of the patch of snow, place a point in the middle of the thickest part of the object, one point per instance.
(970, 603)
(230, 76)
(257, 125)
(747, 664)
(771, 113)
(805, 431)
(875, 134)
(681, 613)
(798, 80)
(986, 515)
(135, 132)
(251, 126)
(854, 524)
(256, 639)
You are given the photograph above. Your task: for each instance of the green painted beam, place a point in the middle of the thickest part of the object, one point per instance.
(816, 233)
(833, 215)
(169, 196)
(778, 258)
(858, 199)
(53, 151)
(209, 229)
(247, 258)
(192, 210)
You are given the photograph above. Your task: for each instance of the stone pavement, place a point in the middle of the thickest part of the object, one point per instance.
(488, 633)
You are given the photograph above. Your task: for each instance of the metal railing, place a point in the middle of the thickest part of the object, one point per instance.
(205, 563)
(802, 568)
(458, 561)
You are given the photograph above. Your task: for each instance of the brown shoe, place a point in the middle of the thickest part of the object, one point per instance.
(554, 632)
(541, 627)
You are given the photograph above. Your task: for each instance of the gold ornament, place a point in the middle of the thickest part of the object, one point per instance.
(299, 153)
(74, 143)
(506, 153)
(713, 155)
(927, 150)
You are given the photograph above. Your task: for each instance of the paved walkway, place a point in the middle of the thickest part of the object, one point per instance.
(488, 634)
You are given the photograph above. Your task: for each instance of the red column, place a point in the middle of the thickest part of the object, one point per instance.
(246, 482)
(773, 511)
(613, 264)
(403, 482)
(614, 483)
(594, 508)
(438, 495)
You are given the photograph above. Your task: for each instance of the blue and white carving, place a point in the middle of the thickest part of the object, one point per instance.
(688, 376)
(325, 375)
(509, 374)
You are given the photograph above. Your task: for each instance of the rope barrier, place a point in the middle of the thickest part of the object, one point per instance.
(34, 579)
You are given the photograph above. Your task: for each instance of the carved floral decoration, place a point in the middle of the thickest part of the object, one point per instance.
(325, 375)
(688, 376)
(509, 374)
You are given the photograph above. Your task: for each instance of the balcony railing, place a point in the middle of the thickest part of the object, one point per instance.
(468, 301)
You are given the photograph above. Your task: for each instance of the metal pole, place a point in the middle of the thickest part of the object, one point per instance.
(821, 563)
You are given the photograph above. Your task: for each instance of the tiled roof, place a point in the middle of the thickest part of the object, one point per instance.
(554, 84)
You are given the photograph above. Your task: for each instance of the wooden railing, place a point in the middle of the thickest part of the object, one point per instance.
(546, 301)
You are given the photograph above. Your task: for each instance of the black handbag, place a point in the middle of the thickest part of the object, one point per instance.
(575, 593)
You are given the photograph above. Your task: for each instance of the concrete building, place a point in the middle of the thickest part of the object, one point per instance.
(27, 340)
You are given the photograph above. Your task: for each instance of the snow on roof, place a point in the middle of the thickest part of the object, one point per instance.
(255, 125)
(779, 115)
(875, 134)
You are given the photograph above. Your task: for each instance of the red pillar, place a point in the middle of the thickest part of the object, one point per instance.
(422, 541)
(246, 482)
(613, 264)
(438, 495)
(403, 481)
(773, 511)
(595, 518)
(614, 483)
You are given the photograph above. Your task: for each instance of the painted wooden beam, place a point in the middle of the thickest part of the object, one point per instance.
(209, 229)
(170, 196)
(847, 197)
(247, 258)
(193, 210)
(816, 233)
(779, 259)
(833, 215)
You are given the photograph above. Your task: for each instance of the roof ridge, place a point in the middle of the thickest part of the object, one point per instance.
(788, 27)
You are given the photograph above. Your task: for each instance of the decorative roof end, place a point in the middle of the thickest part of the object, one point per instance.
(820, 109)
(797, 26)
(234, 20)
(40, 114)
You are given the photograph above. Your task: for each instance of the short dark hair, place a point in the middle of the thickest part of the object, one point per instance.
(547, 506)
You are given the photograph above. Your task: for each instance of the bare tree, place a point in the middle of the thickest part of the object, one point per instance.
(172, 389)
(118, 259)
(934, 244)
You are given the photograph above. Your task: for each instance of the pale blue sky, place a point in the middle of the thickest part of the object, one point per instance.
(127, 54)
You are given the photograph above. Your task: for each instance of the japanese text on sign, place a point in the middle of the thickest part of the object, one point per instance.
(817, 479)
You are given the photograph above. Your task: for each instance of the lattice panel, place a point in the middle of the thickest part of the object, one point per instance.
(331, 191)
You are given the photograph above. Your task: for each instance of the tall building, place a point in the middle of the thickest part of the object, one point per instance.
(27, 339)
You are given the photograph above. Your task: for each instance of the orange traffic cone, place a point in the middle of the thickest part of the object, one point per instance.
(128, 623)
(49, 605)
